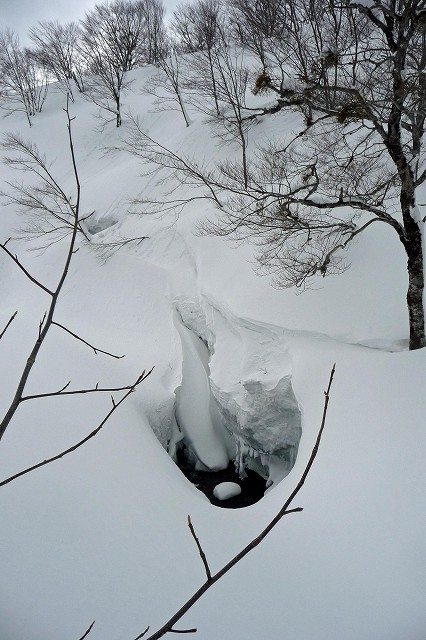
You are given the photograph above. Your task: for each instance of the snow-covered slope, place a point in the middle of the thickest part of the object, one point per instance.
(102, 534)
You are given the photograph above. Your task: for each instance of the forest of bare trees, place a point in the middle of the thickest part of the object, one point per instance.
(353, 71)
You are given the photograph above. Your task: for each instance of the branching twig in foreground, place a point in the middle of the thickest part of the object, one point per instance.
(91, 435)
(210, 580)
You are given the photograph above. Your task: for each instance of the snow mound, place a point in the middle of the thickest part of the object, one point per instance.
(249, 397)
(226, 490)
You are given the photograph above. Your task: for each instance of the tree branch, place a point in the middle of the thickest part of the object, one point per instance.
(95, 349)
(200, 549)
(88, 631)
(8, 324)
(29, 276)
(351, 236)
(75, 392)
(91, 435)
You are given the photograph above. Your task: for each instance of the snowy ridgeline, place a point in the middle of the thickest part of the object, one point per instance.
(240, 408)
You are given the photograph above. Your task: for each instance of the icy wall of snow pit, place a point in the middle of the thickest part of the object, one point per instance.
(193, 315)
(246, 388)
(203, 435)
(264, 421)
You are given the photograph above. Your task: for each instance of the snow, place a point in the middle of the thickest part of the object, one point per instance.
(252, 395)
(193, 413)
(102, 534)
(226, 490)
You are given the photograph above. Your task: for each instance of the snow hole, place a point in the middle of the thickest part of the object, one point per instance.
(215, 438)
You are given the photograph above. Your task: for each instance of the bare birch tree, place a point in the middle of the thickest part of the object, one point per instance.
(110, 41)
(199, 28)
(166, 84)
(23, 81)
(255, 22)
(56, 49)
(155, 35)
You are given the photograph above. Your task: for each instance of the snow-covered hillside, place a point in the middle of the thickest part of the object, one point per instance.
(102, 534)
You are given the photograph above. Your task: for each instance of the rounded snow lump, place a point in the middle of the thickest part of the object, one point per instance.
(226, 490)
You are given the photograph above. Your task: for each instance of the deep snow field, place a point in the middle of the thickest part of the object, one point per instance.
(102, 534)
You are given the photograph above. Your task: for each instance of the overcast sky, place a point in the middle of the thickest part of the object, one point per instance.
(20, 15)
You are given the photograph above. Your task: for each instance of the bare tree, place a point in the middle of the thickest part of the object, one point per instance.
(48, 193)
(48, 210)
(166, 85)
(154, 42)
(224, 100)
(182, 29)
(362, 153)
(56, 49)
(23, 81)
(357, 159)
(199, 28)
(116, 30)
(195, 25)
(110, 42)
(254, 22)
(233, 75)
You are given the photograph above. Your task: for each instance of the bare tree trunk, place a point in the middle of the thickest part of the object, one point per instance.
(414, 249)
(183, 108)
(118, 107)
(213, 79)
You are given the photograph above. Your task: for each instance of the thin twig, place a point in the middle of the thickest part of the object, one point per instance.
(183, 630)
(200, 549)
(141, 635)
(88, 631)
(27, 273)
(77, 337)
(8, 324)
(91, 435)
(62, 392)
(40, 324)
(285, 510)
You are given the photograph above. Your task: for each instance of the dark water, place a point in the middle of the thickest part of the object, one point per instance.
(252, 488)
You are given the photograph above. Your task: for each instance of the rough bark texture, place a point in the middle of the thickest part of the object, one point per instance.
(413, 247)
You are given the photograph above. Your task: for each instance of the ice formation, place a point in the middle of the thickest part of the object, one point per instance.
(193, 415)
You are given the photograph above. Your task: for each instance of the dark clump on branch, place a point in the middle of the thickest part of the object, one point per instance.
(262, 83)
(354, 109)
(330, 59)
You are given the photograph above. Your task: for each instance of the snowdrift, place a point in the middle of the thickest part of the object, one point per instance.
(102, 534)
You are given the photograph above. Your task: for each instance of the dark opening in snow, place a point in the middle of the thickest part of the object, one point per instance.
(251, 420)
(252, 487)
